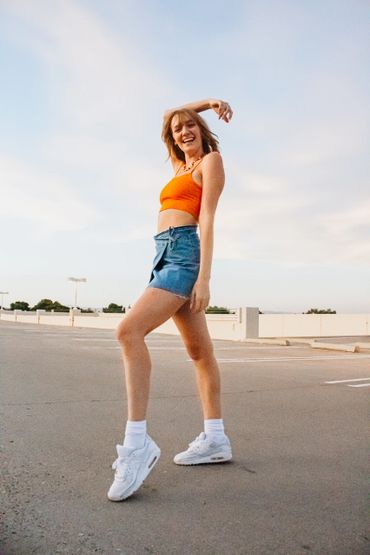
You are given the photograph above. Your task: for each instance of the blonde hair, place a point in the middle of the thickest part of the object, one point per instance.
(209, 140)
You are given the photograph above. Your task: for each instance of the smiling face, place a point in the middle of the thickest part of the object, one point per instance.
(187, 135)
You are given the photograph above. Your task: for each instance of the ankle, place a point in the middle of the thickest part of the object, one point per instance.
(135, 433)
(214, 428)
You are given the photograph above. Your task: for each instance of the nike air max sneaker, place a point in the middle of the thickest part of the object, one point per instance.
(132, 467)
(205, 450)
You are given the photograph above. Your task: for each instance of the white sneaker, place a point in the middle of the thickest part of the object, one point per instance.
(132, 467)
(205, 450)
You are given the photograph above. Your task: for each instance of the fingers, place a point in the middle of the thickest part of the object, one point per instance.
(193, 301)
(197, 305)
(199, 299)
(191, 304)
(224, 111)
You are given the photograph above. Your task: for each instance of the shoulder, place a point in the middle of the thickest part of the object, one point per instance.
(213, 175)
(212, 158)
(212, 164)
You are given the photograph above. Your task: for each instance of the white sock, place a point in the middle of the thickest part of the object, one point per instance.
(214, 428)
(135, 434)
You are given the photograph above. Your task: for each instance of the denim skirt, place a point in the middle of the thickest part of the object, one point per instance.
(176, 263)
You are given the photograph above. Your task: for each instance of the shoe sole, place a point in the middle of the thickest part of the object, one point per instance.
(141, 477)
(212, 459)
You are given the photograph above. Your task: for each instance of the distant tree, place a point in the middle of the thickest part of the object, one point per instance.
(44, 304)
(217, 310)
(19, 305)
(49, 305)
(321, 311)
(87, 310)
(57, 307)
(113, 307)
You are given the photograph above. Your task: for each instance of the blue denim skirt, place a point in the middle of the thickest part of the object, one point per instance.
(176, 263)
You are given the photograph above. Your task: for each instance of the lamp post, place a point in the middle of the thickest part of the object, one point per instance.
(76, 281)
(2, 293)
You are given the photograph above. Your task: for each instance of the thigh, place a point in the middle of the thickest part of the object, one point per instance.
(194, 331)
(152, 309)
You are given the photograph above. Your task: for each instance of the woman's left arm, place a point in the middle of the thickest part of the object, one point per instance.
(213, 179)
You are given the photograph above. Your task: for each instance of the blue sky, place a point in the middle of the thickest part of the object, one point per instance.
(84, 86)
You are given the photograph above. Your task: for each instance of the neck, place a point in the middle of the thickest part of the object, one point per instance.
(191, 158)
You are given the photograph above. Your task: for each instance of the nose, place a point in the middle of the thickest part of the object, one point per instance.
(186, 132)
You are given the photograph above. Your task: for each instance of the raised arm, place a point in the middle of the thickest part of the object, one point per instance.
(221, 108)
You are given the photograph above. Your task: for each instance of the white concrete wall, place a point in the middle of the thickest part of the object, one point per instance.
(88, 320)
(102, 321)
(221, 326)
(313, 325)
(237, 327)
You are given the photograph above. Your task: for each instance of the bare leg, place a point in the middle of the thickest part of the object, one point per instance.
(152, 309)
(194, 332)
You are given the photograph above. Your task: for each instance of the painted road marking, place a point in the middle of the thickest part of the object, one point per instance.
(349, 383)
(287, 359)
(346, 381)
(94, 339)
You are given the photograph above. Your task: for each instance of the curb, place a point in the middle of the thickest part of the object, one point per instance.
(284, 342)
(362, 346)
(335, 347)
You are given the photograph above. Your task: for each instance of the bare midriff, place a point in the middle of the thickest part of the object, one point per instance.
(174, 218)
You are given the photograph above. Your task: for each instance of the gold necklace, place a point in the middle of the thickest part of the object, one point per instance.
(186, 168)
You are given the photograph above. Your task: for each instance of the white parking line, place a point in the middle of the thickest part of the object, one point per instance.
(287, 359)
(259, 348)
(154, 348)
(349, 382)
(94, 339)
(352, 380)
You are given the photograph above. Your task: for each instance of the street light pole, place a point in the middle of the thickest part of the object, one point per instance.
(76, 281)
(2, 293)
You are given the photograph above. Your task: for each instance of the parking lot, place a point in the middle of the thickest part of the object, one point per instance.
(297, 419)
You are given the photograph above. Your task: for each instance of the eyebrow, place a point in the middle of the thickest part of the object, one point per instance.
(182, 123)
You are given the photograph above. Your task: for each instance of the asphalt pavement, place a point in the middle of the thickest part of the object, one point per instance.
(297, 418)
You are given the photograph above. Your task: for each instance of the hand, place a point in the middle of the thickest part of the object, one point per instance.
(200, 296)
(222, 108)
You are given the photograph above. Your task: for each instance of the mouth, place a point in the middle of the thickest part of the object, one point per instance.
(188, 141)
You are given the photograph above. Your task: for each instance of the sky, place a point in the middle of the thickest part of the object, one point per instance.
(84, 87)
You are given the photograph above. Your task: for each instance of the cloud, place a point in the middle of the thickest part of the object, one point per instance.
(96, 77)
(104, 98)
(46, 199)
(296, 192)
(282, 218)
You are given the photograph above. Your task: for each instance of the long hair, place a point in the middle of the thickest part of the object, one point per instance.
(209, 140)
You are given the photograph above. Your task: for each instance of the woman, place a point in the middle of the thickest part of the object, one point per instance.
(178, 288)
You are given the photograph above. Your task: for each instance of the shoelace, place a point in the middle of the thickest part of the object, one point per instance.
(123, 470)
(195, 445)
(125, 466)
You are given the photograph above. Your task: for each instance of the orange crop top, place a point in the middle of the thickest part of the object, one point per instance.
(182, 193)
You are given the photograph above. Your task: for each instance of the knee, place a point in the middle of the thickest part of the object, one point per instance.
(198, 350)
(126, 333)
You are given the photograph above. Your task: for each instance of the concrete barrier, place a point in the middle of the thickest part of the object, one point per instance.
(334, 346)
(313, 325)
(244, 325)
(363, 346)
